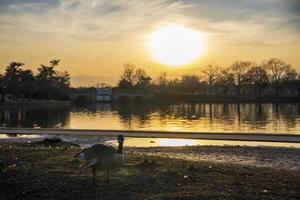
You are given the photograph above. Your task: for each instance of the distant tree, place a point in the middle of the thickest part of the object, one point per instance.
(46, 73)
(278, 72)
(174, 82)
(291, 87)
(2, 88)
(225, 80)
(124, 84)
(190, 83)
(127, 77)
(298, 84)
(161, 80)
(144, 81)
(12, 78)
(173, 86)
(52, 84)
(54, 62)
(258, 77)
(28, 83)
(46, 79)
(141, 79)
(239, 69)
(62, 85)
(211, 73)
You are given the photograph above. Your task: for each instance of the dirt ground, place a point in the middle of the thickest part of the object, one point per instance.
(49, 171)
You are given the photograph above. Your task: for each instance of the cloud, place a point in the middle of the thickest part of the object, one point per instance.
(86, 19)
(294, 6)
(113, 31)
(109, 20)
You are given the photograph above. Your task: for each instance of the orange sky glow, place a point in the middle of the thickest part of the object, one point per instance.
(94, 39)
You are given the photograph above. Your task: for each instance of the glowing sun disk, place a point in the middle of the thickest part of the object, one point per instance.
(176, 45)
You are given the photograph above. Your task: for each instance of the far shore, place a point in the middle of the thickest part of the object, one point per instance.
(35, 103)
(227, 99)
(47, 170)
(164, 100)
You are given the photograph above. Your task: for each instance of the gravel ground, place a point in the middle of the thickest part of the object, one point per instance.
(49, 171)
(272, 157)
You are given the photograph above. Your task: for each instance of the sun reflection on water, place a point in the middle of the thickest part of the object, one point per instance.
(168, 142)
(176, 142)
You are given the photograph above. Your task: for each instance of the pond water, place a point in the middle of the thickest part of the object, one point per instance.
(267, 118)
(248, 117)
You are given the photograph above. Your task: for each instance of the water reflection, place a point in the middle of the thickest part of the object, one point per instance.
(33, 116)
(176, 142)
(155, 142)
(269, 118)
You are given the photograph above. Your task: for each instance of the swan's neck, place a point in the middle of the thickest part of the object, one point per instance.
(120, 148)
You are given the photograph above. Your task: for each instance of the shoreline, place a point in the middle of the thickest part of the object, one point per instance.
(49, 171)
(216, 99)
(230, 136)
(145, 142)
(36, 103)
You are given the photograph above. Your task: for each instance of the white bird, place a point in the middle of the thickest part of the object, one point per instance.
(103, 157)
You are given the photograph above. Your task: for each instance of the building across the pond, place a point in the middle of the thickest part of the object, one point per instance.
(133, 95)
(91, 94)
(103, 94)
(82, 94)
(108, 94)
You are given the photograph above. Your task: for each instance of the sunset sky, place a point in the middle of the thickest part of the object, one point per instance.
(95, 38)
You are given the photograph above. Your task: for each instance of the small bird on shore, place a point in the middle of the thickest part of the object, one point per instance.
(103, 157)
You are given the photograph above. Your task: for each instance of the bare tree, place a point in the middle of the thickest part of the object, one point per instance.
(225, 80)
(190, 83)
(127, 77)
(239, 69)
(141, 78)
(211, 73)
(279, 71)
(138, 75)
(258, 77)
(161, 80)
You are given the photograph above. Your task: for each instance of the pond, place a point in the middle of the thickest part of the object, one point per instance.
(202, 117)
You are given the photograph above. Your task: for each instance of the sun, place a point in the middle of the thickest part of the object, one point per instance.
(176, 45)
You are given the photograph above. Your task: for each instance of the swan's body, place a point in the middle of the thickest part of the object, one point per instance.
(103, 157)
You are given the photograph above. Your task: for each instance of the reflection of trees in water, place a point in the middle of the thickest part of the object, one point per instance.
(135, 112)
(247, 116)
(198, 111)
(85, 108)
(288, 113)
(256, 115)
(35, 116)
(127, 112)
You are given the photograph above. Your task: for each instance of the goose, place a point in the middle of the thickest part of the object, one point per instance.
(102, 157)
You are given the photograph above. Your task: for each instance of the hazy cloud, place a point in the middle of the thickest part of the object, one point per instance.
(115, 19)
(88, 18)
(82, 30)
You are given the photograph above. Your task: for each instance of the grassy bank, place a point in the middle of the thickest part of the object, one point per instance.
(49, 171)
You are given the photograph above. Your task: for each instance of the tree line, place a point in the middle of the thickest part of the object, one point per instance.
(48, 83)
(272, 77)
